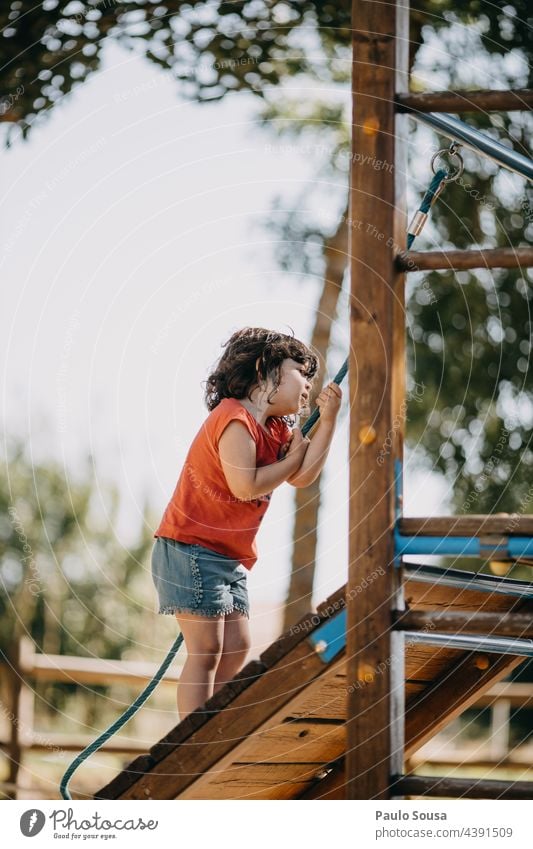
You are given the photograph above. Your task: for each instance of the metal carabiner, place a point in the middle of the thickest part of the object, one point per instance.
(452, 153)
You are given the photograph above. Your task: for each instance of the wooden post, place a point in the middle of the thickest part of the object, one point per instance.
(500, 727)
(377, 229)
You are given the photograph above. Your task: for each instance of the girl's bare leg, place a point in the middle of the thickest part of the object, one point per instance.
(235, 648)
(204, 638)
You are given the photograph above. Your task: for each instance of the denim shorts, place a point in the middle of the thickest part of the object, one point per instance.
(192, 579)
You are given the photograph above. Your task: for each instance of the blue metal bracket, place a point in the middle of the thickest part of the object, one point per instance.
(330, 638)
(463, 546)
(398, 506)
(512, 547)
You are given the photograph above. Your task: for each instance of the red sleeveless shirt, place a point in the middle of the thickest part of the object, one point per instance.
(202, 509)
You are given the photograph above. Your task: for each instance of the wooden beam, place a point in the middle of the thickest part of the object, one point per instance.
(519, 766)
(459, 622)
(466, 101)
(38, 742)
(516, 693)
(377, 385)
(427, 714)
(464, 788)
(449, 696)
(467, 526)
(460, 260)
(88, 670)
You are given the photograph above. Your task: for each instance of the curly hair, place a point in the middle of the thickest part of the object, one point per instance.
(235, 374)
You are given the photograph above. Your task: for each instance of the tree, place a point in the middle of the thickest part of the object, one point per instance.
(60, 567)
(210, 50)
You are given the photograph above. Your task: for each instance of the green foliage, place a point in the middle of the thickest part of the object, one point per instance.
(66, 581)
(470, 332)
(210, 49)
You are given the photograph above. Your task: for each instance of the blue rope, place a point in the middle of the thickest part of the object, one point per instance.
(316, 412)
(427, 200)
(128, 713)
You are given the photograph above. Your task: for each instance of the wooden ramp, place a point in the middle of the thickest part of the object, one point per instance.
(278, 729)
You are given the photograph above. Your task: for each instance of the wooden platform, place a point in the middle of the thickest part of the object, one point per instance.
(278, 730)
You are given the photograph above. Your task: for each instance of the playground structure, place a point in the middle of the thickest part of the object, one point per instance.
(279, 729)
(336, 705)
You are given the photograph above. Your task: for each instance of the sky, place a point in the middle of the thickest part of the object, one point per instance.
(132, 245)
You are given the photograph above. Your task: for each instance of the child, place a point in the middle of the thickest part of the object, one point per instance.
(205, 543)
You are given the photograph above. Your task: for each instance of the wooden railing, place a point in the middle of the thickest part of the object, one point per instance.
(32, 667)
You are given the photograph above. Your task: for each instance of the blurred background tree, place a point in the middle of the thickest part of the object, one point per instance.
(67, 582)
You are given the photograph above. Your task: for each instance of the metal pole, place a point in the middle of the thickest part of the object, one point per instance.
(456, 129)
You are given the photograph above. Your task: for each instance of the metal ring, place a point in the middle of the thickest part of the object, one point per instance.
(452, 153)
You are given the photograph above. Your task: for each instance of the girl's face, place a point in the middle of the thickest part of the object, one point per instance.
(292, 395)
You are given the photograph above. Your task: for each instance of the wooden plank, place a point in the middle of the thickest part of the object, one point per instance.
(378, 227)
(458, 622)
(473, 755)
(464, 788)
(517, 693)
(422, 594)
(460, 260)
(425, 596)
(428, 663)
(326, 701)
(466, 101)
(295, 742)
(467, 526)
(320, 704)
(449, 696)
(520, 766)
(257, 781)
(250, 709)
(40, 742)
(413, 688)
(86, 670)
(328, 740)
(429, 710)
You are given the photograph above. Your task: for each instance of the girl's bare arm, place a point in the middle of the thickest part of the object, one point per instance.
(238, 456)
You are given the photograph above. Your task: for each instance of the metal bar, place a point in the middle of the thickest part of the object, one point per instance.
(429, 574)
(459, 260)
(458, 622)
(464, 546)
(467, 788)
(492, 645)
(467, 101)
(472, 138)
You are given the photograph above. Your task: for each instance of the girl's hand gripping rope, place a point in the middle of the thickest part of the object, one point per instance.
(329, 402)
